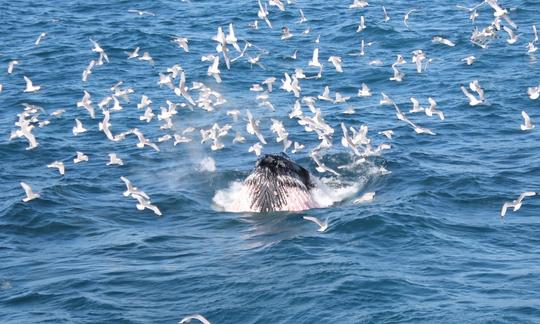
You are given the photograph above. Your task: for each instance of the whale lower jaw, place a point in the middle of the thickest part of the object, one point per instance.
(268, 193)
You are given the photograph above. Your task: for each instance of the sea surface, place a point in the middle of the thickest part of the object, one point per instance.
(430, 247)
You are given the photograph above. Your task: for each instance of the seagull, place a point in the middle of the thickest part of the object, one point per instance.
(364, 91)
(257, 147)
(361, 25)
(469, 59)
(368, 196)
(198, 317)
(322, 226)
(146, 57)
(406, 17)
(231, 39)
(297, 147)
(358, 4)
(143, 141)
(473, 101)
(11, 65)
(416, 106)
(533, 92)
(97, 49)
(145, 203)
(303, 18)
(336, 61)
(321, 167)
(30, 195)
(141, 12)
(30, 87)
(182, 42)
(516, 204)
(387, 133)
(475, 86)
(133, 54)
(512, 36)
(88, 70)
(315, 59)
(40, 38)
(285, 33)
(263, 13)
(114, 160)
(386, 17)
(444, 41)
(59, 165)
(325, 95)
(238, 138)
(432, 109)
(78, 128)
(253, 128)
(131, 190)
(81, 157)
(86, 103)
(528, 125)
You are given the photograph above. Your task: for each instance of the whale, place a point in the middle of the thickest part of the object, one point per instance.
(277, 183)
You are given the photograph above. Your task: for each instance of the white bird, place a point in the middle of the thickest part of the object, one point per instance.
(263, 13)
(361, 25)
(114, 160)
(133, 54)
(30, 195)
(286, 33)
(473, 101)
(416, 106)
(303, 18)
(432, 109)
(444, 41)
(358, 4)
(253, 128)
(321, 167)
(40, 38)
(97, 49)
(325, 95)
(141, 12)
(238, 138)
(516, 204)
(81, 157)
(78, 128)
(148, 115)
(475, 86)
(30, 87)
(257, 147)
(387, 133)
(198, 317)
(132, 190)
(322, 225)
(512, 36)
(86, 103)
(533, 92)
(59, 165)
(386, 17)
(406, 17)
(368, 196)
(11, 65)
(336, 61)
(146, 57)
(364, 91)
(528, 125)
(469, 59)
(145, 203)
(142, 140)
(315, 59)
(182, 42)
(297, 147)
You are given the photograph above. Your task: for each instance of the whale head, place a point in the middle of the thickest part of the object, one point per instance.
(279, 184)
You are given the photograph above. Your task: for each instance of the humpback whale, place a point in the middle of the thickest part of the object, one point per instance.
(277, 184)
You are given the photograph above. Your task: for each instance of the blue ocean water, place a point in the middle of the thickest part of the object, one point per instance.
(430, 247)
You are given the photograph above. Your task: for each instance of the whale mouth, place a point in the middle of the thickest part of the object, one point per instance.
(279, 184)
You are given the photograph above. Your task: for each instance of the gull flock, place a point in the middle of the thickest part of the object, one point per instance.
(231, 50)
